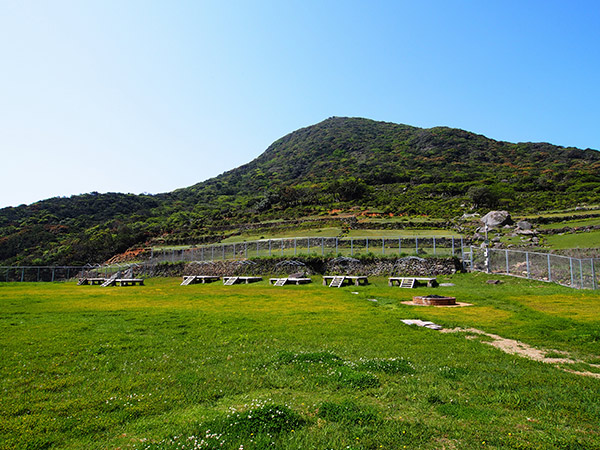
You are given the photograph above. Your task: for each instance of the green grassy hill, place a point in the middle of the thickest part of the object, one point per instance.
(338, 168)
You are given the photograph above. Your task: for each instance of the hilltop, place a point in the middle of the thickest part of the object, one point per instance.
(341, 164)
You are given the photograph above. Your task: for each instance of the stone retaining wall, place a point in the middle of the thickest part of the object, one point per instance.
(312, 266)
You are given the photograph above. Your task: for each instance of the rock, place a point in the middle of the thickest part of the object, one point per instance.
(496, 239)
(526, 232)
(446, 284)
(493, 281)
(524, 225)
(422, 323)
(495, 219)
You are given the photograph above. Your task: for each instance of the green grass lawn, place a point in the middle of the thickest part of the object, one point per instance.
(593, 209)
(336, 231)
(298, 367)
(313, 232)
(570, 223)
(589, 239)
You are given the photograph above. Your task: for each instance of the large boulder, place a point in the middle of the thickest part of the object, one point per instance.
(524, 225)
(495, 219)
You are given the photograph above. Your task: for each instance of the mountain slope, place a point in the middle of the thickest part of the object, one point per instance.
(303, 167)
(340, 163)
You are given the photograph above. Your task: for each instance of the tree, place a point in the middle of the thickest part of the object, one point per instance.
(482, 196)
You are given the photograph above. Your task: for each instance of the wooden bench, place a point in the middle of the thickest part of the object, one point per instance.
(411, 282)
(228, 281)
(340, 280)
(289, 280)
(194, 279)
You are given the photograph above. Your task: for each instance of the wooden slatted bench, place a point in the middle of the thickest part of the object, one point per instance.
(289, 280)
(93, 281)
(346, 279)
(410, 282)
(228, 281)
(194, 279)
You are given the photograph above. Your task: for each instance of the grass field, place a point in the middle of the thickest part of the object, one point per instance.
(297, 367)
(590, 239)
(336, 231)
(570, 223)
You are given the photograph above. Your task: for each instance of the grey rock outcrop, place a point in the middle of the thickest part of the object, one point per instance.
(495, 219)
(524, 225)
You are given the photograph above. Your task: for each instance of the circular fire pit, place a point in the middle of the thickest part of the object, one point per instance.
(434, 300)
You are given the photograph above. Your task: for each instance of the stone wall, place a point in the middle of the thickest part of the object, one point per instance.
(310, 266)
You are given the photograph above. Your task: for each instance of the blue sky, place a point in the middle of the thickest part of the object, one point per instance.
(150, 96)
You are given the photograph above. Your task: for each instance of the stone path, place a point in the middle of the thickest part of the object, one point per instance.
(514, 347)
(518, 348)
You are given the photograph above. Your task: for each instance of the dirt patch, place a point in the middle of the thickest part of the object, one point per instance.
(515, 347)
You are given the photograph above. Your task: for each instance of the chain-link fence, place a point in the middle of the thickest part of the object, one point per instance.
(39, 273)
(56, 273)
(573, 272)
(435, 246)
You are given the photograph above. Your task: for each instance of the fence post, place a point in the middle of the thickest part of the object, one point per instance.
(507, 265)
(295, 246)
(581, 273)
(549, 269)
(223, 252)
(471, 259)
(453, 246)
(22, 274)
(417, 245)
(434, 246)
(257, 244)
(593, 274)
(527, 260)
(212, 252)
(571, 267)
(269, 247)
(351, 247)
(399, 246)
(234, 251)
(308, 245)
(322, 246)
(281, 246)
(383, 246)
(53, 269)
(367, 245)
(336, 246)
(245, 250)
(38, 277)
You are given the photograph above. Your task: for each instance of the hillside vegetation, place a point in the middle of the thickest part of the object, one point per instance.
(339, 165)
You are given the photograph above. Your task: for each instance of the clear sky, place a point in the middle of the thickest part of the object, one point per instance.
(150, 96)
